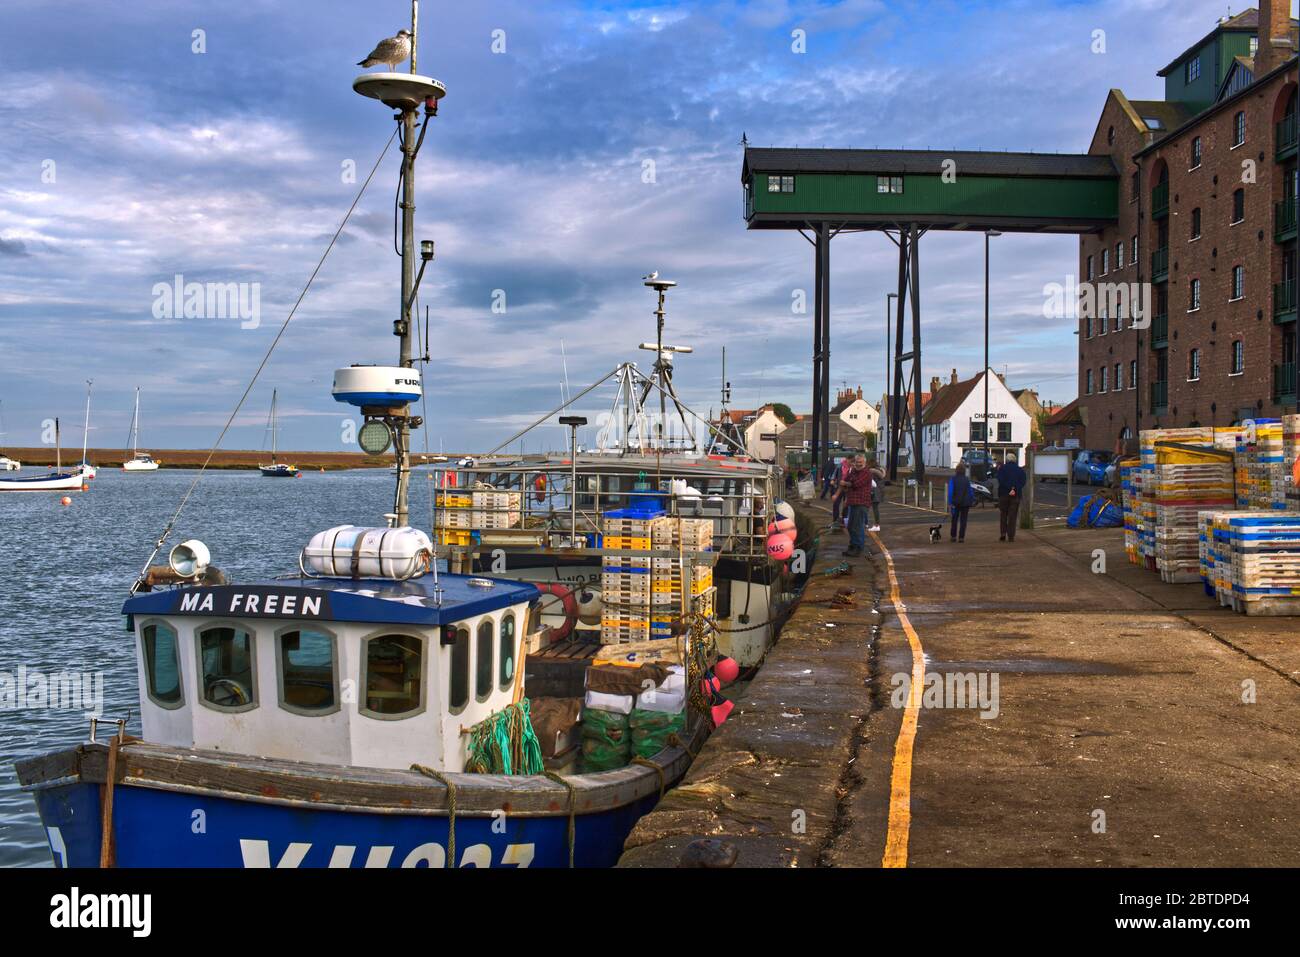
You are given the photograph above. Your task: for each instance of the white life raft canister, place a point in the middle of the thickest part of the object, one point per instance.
(353, 551)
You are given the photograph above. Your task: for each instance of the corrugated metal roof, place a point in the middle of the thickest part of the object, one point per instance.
(969, 162)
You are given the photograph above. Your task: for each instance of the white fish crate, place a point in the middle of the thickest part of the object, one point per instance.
(496, 509)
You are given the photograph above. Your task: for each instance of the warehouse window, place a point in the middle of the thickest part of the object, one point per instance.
(1196, 152)
(1238, 283)
(1136, 181)
(1238, 358)
(1087, 382)
(1133, 374)
(1088, 321)
(1119, 254)
(1105, 261)
(1193, 69)
(780, 184)
(1239, 129)
(1090, 267)
(1101, 381)
(1133, 256)
(889, 184)
(1194, 295)
(1238, 206)
(1119, 377)
(1193, 365)
(1196, 224)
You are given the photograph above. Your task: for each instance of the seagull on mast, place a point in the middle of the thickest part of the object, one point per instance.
(391, 51)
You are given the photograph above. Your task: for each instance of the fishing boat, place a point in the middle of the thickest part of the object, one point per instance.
(84, 469)
(546, 517)
(59, 480)
(364, 709)
(276, 469)
(139, 461)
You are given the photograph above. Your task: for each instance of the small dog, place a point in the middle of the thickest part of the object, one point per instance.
(935, 532)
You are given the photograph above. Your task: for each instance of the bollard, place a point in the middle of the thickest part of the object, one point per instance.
(929, 496)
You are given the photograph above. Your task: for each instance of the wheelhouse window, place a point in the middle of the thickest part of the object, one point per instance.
(162, 665)
(308, 672)
(889, 184)
(506, 653)
(780, 184)
(227, 668)
(483, 660)
(458, 668)
(394, 676)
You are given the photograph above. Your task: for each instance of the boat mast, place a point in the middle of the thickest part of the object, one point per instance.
(402, 327)
(135, 425)
(85, 432)
(274, 423)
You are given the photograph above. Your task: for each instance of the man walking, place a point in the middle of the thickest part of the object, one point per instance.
(856, 489)
(960, 498)
(1011, 489)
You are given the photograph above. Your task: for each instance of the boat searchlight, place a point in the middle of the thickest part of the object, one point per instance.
(190, 559)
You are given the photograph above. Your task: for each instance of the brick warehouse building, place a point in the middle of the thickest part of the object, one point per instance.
(1218, 249)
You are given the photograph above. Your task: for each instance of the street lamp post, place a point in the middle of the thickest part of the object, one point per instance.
(987, 234)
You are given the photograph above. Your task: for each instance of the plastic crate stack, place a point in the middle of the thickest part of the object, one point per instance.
(494, 508)
(1262, 478)
(1130, 473)
(1184, 482)
(1263, 553)
(1290, 451)
(625, 580)
(680, 584)
(453, 519)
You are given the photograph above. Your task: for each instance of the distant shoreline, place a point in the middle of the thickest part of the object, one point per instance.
(221, 459)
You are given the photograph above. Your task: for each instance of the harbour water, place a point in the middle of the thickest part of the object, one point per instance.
(68, 570)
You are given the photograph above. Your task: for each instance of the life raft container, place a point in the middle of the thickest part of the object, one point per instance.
(354, 551)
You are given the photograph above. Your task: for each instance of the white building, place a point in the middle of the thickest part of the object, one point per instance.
(855, 412)
(954, 421)
(752, 425)
(882, 410)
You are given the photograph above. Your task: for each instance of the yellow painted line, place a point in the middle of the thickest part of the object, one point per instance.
(900, 779)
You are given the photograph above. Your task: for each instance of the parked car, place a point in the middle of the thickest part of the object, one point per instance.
(1090, 466)
(979, 466)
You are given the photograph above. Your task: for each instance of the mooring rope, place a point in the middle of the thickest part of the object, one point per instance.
(451, 808)
(573, 809)
(261, 366)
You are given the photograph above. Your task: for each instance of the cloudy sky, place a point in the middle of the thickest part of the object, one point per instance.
(128, 158)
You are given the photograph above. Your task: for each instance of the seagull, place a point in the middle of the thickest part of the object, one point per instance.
(391, 51)
(653, 276)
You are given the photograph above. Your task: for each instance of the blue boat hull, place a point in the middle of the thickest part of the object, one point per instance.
(159, 828)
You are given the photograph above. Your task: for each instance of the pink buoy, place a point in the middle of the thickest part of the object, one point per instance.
(727, 670)
(779, 548)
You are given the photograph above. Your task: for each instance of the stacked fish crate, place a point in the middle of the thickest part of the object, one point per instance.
(1130, 472)
(1263, 550)
(1261, 470)
(1178, 483)
(1290, 452)
(495, 508)
(682, 584)
(454, 518)
(625, 580)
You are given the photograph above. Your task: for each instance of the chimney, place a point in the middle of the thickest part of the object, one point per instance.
(954, 376)
(935, 385)
(1274, 35)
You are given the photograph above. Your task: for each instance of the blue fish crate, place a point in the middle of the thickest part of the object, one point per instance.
(645, 508)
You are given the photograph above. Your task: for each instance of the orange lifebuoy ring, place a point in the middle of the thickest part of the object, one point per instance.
(539, 485)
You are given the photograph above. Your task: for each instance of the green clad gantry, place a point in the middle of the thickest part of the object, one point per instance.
(905, 193)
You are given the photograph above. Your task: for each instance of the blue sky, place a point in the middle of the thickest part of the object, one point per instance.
(226, 166)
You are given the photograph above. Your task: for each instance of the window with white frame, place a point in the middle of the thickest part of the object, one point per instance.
(1132, 373)
(889, 184)
(1105, 261)
(780, 184)
(1090, 267)
(1193, 69)
(1087, 377)
(1193, 365)
(1119, 254)
(1119, 376)
(1101, 381)
(1194, 295)
(1196, 152)
(1238, 283)
(1238, 357)
(1239, 128)
(1133, 255)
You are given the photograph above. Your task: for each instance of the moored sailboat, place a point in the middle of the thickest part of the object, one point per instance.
(139, 461)
(277, 469)
(59, 480)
